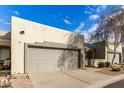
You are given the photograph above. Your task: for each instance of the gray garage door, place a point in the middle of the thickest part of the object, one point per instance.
(117, 57)
(42, 59)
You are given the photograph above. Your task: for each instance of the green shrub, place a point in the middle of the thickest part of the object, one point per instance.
(101, 64)
(122, 66)
(107, 64)
(116, 68)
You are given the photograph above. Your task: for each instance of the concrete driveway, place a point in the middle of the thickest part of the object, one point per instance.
(66, 79)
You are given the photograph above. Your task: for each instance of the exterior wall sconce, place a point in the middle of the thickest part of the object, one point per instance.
(22, 32)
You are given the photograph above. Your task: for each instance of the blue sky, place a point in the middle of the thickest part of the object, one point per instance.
(81, 18)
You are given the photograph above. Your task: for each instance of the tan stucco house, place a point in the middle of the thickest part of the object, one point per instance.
(99, 52)
(34, 47)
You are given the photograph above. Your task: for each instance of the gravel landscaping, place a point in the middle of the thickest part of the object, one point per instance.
(21, 81)
(16, 81)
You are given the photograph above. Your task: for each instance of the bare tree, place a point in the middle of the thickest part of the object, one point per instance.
(110, 29)
(76, 40)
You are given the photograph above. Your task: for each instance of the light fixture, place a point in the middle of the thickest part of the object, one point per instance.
(22, 32)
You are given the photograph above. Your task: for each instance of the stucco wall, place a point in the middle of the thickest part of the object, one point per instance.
(34, 32)
(119, 48)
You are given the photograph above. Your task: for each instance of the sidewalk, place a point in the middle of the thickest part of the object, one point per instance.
(101, 84)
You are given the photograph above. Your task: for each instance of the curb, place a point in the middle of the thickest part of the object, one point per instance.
(101, 84)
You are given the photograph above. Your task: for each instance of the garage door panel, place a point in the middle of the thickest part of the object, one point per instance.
(41, 59)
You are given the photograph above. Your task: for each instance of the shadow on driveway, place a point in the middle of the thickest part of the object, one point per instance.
(119, 84)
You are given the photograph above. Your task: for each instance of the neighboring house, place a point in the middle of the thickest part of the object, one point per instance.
(4, 45)
(98, 52)
(36, 48)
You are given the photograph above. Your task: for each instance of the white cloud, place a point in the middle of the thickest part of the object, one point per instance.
(80, 27)
(67, 17)
(67, 21)
(104, 6)
(88, 12)
(93, 28)
(90, 8)
(101, 8)
(2, 21)
(93, 17)
(14, 12)
(88, 32)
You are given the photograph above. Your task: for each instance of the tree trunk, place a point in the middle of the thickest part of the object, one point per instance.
(113, 57)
